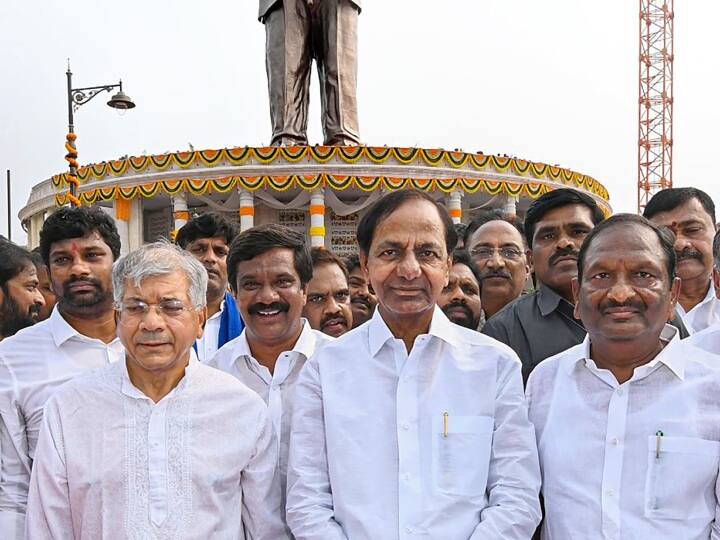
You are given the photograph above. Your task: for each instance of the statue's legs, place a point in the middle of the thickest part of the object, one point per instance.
(335, 49)
(288, 62)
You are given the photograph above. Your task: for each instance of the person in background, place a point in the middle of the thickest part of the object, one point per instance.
(690, 214)
(79, 246)
(498, 249)
(539, 325)
(709, 338)
(44, 285)
(362, 298)
(269, 269)
(627, 421)
(328, 297)
(411, 424)
(460, 298)
(20, 298)
(460, 229)
(156, 445)
(208, 237)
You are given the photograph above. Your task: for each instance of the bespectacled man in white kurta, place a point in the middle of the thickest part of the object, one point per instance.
(157, 445)
(79, 245)
(410, 425)
(628, 422)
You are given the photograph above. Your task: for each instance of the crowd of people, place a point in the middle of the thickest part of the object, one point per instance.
(554, 377)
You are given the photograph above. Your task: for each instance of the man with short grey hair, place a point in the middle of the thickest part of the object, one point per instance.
(156, 445)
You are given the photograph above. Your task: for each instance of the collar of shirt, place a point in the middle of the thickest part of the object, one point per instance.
(703, 314)
(548, 300)
(674, 360)
(61, 330)
(305, 346)
(217, 314)
(130, 390)
(440, 327)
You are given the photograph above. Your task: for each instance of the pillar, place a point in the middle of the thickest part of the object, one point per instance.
(454, 204)
(317, 218)
(180, 212)
(36, 223)
(122, 209)
(509, 206)
(135, 224)
(246, 210)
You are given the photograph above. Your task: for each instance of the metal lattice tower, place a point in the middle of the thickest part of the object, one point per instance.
(655, 139)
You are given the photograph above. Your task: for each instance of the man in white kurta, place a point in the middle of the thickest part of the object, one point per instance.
(156, 445)
(80, 245)
(628, 422)
(410, 425)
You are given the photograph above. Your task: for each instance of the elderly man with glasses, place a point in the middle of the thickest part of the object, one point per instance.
(156, 445)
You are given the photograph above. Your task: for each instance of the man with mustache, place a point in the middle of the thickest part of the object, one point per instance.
(44, 285)
(269, 268)
(20, 298)
(460, 298)
(328, 299)
(362, 297)
(156, 445)
(208, 237)
(79, 245)
(542, 324)
(627, 420)
(497, 249)
(690, 214)
(410, 425)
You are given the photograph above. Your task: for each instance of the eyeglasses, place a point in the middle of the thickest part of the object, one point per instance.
(484, 253)
(137, 309)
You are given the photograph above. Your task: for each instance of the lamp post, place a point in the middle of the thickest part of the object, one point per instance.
(75, 98)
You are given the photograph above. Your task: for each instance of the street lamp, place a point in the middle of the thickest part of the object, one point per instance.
(77, 97)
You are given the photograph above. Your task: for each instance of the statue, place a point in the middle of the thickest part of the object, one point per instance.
(298, 31)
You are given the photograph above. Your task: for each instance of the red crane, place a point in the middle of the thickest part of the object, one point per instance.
(655, 139)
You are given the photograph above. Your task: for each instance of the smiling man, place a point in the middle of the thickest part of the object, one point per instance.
(328, 297)
(542, 324)
(20, 297)
(410, 424)
(362, 298)
(627, 421)
(208, 237)
(269, 268)
(690, 214)
(156, 445)
(79, 245)
(460, 298)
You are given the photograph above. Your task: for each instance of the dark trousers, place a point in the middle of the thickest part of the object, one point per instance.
(295, 35)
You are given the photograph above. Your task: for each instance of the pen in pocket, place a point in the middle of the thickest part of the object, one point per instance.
(658, 437)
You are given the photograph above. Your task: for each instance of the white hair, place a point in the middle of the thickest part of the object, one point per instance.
(160, 259)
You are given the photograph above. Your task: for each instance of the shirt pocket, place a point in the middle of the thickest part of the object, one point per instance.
(461, 453)
(680, 483)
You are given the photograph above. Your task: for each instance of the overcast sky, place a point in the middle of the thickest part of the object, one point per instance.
(547, 80)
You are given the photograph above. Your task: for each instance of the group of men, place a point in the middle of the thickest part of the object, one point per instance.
(242, 385)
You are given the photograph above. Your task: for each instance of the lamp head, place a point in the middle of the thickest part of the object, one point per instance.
(121, 101)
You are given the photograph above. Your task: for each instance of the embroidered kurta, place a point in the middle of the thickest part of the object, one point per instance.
(112, 464)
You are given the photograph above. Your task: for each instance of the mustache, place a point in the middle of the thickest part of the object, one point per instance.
(637, 305)
(459, 305)
(257, 308)
(152, 339)
(688, 254)
(360, 299)
(494, 274)
(86, 281)
(329, 318)
(564, 253)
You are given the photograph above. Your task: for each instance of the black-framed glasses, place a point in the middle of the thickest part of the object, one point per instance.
(137, 309)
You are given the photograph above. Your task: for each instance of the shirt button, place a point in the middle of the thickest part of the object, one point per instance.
(408, 530)
(611, 492)
(619, 391)
(615, 441)
(406, 477)
(406, 426)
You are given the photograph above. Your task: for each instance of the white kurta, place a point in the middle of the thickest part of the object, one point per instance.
(603, 477)
(703, 315)
(111, 464)
(277, 388)
(373, 455)
(207, 345)
(34, 363)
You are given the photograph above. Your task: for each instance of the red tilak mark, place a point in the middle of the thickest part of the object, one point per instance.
(74, 249)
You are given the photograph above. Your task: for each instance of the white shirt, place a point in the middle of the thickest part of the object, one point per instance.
(277, 388)
(34, 363)
(207, 345)
(702, 315)
(708, 340)
(597, 439)
(369, 458)
(113, 464)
